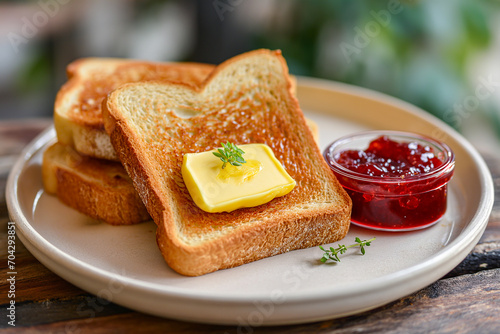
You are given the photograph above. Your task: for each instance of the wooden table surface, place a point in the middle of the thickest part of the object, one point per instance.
(467, 300)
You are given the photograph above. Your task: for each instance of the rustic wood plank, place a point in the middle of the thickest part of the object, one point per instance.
(484, 256)
(40, 287)
(464, 304)
(16, 134)
(124, 323)
(56, 310)
(492, 232)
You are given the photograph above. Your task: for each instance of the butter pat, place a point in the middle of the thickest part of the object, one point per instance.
(256, 182)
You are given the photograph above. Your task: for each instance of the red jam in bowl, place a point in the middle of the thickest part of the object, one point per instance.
(397, 181)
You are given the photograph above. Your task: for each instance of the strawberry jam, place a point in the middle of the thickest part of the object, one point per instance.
(397, 181)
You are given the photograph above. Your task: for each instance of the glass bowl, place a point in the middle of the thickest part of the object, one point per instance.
(394, 203)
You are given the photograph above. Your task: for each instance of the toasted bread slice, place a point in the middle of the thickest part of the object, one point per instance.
(77, 110)
(246, 99)
(97, 188)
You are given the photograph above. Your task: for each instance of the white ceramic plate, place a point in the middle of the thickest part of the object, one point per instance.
(123, 264)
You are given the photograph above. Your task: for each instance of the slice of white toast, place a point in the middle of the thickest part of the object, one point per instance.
(98, 188)
(247, 99)
(77, 109)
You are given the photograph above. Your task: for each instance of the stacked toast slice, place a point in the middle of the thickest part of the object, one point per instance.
(82, 168)
(77, 109)
(99, 188)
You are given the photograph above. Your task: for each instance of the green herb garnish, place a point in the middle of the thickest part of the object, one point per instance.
(333, 253)
(230, 154)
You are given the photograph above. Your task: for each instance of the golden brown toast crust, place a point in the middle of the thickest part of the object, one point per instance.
(87, 110)
(77, 110)
(255, 108)
(97, 188)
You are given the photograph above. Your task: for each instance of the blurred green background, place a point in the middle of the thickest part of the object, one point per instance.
(439, 55)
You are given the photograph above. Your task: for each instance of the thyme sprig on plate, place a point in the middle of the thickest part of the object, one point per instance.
(230, 154)
(333, 253)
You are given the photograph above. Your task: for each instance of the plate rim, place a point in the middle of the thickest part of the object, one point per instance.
(469, 235)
